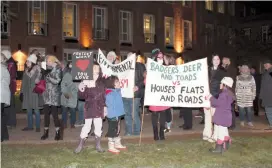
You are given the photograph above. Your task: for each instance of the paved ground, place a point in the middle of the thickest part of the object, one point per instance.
(72, 135)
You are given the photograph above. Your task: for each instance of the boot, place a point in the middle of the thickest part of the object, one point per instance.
(45, 134)
(111, 145)
(80, 145)
(156, 133)
(98, 146)
(118, 145)
(218, 148)
(162, 133)
(227, 144)
(57, 136)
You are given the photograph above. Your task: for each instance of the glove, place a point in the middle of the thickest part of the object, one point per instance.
(21, 97)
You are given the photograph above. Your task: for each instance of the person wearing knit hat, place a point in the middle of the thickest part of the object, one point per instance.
(266, 91)
(222, 117)
(5, 93)
(52, 96)
(31, 101)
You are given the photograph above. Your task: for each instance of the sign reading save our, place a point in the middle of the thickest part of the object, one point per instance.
(178, 85)
(82, 62)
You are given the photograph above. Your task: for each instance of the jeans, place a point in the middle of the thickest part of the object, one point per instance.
(245, 111)
(114, 127)
(132, 121)
(51, 110)
(80, 108)
(268, 111)
(72, 116)
(30, 118)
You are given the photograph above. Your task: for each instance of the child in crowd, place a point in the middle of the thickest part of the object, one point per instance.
(93, 91)
(115, 110)
(222, 118)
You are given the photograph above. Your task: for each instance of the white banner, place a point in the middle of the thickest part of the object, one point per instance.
(124, 70)
(178, 85)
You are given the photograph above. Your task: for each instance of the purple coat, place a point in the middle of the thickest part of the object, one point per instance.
(94, 101)
(223, 114)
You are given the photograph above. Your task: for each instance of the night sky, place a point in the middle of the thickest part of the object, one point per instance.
(261, 6)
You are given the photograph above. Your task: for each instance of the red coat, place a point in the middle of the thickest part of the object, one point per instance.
(12, 68)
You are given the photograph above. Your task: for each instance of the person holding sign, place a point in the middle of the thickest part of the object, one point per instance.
(222, 118)
(93, 91)
(217, 73)
(158, 112)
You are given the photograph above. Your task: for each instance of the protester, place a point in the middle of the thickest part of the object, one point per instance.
(216, 74)
(5, 93)
(115, 110)
(112, 57)
(69, 96)
(245, 91)
(93, 91)
(257, 78)
(11, 110)
(133, 122)
(52, 96)
(30, 99)
(158, 112)
(266, 91)
(168, 60)
(223, 116)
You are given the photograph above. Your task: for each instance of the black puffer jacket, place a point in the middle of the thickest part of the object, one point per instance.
(139, 79)
(215, 79)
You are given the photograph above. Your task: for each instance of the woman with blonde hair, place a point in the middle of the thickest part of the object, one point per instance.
(52, 95)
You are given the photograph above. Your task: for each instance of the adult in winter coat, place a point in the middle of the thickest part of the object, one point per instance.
(266, 91)
(129, 102)
(51, 96)
(216, 74)
(245, 91)
(68, 97)
(257, 78)
(5, 93)
(11, 111)
(31, 77)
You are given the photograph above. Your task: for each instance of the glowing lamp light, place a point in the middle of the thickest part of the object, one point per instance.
(20, 57)
(140, 59)
(179, 61)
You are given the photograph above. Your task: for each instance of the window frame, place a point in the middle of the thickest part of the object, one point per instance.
(43, 21)
(266, 32)
(123, 55)
(186, 5)
(209, 5)
(152, 28)
(211, 39)
(76, 21)
(190, 30)
(129, 27)
(104, 20)
(172, 39)
(250, 31)
(7, 21)
(221, 9)
(231, 8)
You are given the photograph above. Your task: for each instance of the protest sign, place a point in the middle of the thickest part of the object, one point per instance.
(82, 65)
(125, 71)
(178, 85)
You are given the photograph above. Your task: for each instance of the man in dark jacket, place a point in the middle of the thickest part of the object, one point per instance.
(257, 78)
(266, 91)
(11, 111)
(132, 117)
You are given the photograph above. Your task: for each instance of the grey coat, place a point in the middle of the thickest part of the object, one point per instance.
(5, 81)
(266, 88)
(30, 99)
(52, 92)
(69, 88)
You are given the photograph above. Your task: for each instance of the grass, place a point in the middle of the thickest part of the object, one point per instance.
(246, 152)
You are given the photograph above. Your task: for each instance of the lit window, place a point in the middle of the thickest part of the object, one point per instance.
(4, 18)
(221, 6)
(37, 18)
(100, 26)
(252, 11)
(149, 28)
(187, 33)
(231, 8)
(209, 5)
(125, 26)
(247, 33)
(209, 34)
(69, 20)
(169, 31)
(186, 3)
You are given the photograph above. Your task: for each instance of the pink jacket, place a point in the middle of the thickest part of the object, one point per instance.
(158, 108)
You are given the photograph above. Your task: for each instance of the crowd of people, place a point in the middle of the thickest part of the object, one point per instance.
(47, 84)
